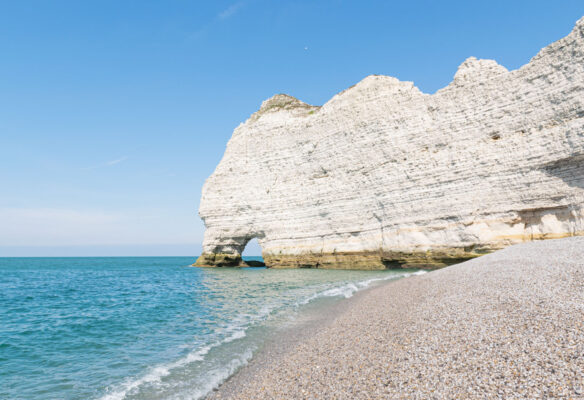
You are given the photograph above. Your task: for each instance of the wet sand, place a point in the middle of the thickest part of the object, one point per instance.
(506, 325)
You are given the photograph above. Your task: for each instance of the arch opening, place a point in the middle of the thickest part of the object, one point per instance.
(252, 254)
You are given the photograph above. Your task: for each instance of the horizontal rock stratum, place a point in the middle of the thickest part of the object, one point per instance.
(384, 176)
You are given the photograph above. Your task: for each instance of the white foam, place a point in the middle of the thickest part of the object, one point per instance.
(154, 375)
(218, 376)
(349, 289)
(236, 335)
(157, 373)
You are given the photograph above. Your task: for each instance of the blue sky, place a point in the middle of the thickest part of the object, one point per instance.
(113, 113)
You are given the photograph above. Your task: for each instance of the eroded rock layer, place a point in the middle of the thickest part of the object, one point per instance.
(383, 175)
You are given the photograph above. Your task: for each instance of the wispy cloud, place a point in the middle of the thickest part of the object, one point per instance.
(117, 161)
(219, 18)
(231, 10)
(108, 163)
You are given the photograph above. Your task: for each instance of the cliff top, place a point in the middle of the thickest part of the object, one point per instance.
(282, 102)
(472, 70)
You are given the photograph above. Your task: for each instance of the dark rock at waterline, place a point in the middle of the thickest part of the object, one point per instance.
(253, 263)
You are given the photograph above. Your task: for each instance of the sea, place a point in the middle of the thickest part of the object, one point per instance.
(147, 327)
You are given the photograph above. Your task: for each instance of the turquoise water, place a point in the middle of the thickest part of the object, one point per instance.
(146, 327)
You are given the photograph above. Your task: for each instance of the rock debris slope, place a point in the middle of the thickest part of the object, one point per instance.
(383, 175)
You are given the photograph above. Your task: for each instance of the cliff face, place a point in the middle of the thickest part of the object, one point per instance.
(383, 175)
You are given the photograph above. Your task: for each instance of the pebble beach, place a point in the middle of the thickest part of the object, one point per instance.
(506, 325)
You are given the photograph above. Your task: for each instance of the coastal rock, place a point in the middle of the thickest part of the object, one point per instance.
(383, 175)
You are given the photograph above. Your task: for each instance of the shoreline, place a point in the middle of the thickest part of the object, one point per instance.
(506, 324)
(284, 340)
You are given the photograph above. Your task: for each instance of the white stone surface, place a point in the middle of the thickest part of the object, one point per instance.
(495, 158)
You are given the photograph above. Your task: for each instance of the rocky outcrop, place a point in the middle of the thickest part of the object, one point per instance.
(383, 175)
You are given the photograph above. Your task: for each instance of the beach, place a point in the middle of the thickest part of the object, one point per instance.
(505, 325)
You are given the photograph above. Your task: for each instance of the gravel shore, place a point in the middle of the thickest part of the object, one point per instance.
(508, 325)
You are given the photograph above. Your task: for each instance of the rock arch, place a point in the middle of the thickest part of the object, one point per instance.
(228, 251)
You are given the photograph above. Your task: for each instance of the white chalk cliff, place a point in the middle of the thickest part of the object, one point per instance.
(383, 175)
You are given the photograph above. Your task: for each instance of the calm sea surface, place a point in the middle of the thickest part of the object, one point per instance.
(145, 327)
